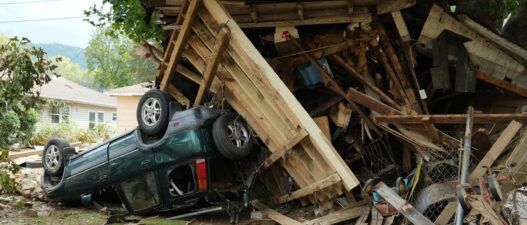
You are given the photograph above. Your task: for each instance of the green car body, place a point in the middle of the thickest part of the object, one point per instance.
(141, 172)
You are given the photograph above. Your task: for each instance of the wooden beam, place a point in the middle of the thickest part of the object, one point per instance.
(501, 83)
(312, 188)
(361, 79)
(288, 146)
(495, 151)
(212, 64)
(431, 130)
(339, 216)
(274, 215)
(357, 18)
(398, 69)
(401, 26)
(387, 6)
(511, 48)
(402, 206)
(451, 118)
(446, 214)
(371, 103)
(176, 94)
(180, 43)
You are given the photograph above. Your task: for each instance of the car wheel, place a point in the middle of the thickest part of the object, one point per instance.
(232, 136)
(152, 111)
(53, 158)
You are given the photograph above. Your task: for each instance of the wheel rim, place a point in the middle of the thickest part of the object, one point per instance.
(238, 134)
(53, 157)
(151, 111)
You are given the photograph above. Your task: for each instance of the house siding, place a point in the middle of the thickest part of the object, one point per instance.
(126, 112)
(79, 113)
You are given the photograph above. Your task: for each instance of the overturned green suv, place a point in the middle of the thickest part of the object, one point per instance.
(175, 159)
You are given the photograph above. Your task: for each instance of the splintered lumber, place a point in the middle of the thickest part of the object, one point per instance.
(256, 92)
(487, 57)
(402, 206)
(339, 216)
(516, 162)
(495, 151)
(212, 66)
(451, 118)
(274, 215)
(446, 214)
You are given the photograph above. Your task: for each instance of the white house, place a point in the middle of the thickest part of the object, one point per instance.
(85, 106)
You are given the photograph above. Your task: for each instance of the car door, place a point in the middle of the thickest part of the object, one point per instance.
(89, 170)
(127, 159)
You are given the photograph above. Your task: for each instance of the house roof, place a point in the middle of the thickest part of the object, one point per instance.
(63, 89)
(132, 90)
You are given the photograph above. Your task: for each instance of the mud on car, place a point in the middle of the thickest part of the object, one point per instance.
(174, 159)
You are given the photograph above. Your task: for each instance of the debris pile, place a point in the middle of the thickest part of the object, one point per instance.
(418, 114)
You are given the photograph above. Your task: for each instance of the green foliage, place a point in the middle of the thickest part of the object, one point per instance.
(73, 53)
(114, 63)
(503, 8)
(7, 185)
(125, 17)
(21, 68)
(73, 72)
(72, 133)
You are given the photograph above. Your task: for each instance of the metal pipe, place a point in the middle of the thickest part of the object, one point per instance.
(465, 160)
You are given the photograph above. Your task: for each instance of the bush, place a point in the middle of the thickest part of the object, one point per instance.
(72, 133)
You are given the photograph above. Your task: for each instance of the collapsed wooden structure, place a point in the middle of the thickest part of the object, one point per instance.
(209, 51)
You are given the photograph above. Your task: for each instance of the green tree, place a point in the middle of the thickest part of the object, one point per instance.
(113, 62)
(72, 71)
(21, 68)
(126, 17)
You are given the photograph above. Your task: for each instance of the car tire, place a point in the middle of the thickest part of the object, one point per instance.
(53, 157)
(152, 111)
(232, 136)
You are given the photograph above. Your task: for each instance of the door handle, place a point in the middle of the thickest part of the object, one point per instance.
(145, 162)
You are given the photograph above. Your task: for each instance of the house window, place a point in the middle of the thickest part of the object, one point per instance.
(95, 118)
(92, 119)
(60, 114)
(114, 116)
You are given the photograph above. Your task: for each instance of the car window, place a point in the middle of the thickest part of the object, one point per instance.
(141, 192)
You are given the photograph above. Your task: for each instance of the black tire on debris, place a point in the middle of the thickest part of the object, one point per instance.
(54, 156)
(232, 136)
(152, 111)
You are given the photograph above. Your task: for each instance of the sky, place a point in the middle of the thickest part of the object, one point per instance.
(74, 32)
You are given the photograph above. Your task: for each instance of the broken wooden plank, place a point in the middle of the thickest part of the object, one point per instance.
(495, 151)
(452, 118)
(393, 5)
(339, 216)
(402, 206)
(274, 215)
(312, 188)
(431, 130)
(212, 65)
(370, 103)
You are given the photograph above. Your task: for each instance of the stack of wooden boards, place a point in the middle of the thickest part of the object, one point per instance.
(383, 99)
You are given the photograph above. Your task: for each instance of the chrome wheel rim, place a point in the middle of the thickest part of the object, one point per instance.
(53, 157)
(238, 134)
(151, 111)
